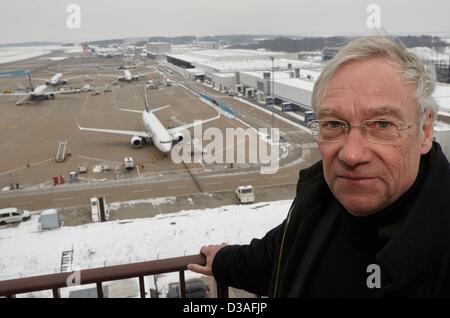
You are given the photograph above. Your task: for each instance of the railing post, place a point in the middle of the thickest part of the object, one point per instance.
(99, 290)
(56, 293)
(222, 291)
(182, 285)
(142, 286)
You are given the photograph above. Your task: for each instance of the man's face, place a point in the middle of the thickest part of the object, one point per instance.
(367, 177)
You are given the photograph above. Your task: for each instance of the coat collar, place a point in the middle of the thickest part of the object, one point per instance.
(425, 233)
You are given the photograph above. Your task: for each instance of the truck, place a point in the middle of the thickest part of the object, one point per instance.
(245, 194)
(309, 116)
(99, 212)
(288, 107)
(128, 163)
(150, 84)
(82, 167)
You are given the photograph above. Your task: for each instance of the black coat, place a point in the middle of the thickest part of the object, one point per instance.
(416, 258)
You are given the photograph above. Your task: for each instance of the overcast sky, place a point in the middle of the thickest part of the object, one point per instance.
(45, 20)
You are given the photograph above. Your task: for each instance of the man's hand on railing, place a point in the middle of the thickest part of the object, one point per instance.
(209, 251)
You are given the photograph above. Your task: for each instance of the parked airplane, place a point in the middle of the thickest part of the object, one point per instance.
(104, 52)
(127, 76)
(162, 137)
(57, 79)
(38, 93)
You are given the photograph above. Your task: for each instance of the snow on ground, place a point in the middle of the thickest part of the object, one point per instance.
(57, 58)
(26, 252)
(12, 54)
(154, 202)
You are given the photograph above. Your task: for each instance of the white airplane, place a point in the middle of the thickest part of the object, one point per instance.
(127, 76)
(163, 138)
(38, 93)
(57, 79)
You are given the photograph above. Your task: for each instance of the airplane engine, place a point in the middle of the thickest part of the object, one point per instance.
(177, 137)
(137, 141)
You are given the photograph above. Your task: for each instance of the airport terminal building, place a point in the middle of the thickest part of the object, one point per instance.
(252, 73)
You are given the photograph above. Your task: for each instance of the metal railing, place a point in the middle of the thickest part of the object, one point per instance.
(55, 282)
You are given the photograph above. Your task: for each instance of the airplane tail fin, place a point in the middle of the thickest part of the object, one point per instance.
(29, 81)
(147, 109)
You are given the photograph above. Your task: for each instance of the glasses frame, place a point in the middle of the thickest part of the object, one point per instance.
(346, 127)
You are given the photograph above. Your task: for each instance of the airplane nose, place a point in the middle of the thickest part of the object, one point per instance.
(167, 147)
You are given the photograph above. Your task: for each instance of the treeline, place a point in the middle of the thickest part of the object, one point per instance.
(318, 43)
(106, 42)
(223, 39)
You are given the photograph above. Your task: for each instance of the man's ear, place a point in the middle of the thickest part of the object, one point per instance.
(427, 132)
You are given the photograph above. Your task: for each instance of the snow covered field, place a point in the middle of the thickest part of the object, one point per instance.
(12, 54)
(26, 252)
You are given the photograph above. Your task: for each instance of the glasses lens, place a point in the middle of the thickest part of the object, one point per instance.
(381, 131)
(332, 130)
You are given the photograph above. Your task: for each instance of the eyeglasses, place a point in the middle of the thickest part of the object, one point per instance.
(375, 131)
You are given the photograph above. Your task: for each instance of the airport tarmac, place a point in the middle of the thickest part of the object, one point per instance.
(29, 137)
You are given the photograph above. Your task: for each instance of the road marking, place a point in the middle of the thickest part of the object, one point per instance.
(84, 104)
(178, 187)
(28, 202)
(279, 177)
(98, 159)
(251, 179)
(139, 191)
(25, 167)
(212, 183)
(62, 199)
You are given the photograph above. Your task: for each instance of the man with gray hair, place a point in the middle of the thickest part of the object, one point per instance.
(372, 218)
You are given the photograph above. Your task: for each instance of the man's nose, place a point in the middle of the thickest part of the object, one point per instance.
(354, 149)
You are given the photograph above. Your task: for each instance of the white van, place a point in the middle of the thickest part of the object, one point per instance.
(11, 215)
(95, 209)
(245, 194)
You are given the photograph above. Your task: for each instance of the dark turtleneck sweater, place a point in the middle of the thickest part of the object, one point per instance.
(341, 268)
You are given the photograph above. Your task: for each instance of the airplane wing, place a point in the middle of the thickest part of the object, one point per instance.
(41, 79)
(179, 128)
(23, 100)
(110, 75)
(114, 131)
(140, 111)
(15, 94)
(75, 77)
(62, 92)
(144, 74)
(131, 110)
(159, 108)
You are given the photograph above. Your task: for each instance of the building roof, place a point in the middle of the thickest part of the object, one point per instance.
(226, 60)
(306, 85)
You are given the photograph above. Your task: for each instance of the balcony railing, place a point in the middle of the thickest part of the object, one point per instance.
(54, 282)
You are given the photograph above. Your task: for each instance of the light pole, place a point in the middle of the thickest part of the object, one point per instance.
(273, 95)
